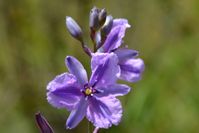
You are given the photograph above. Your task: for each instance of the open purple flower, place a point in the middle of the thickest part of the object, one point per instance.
(94, 98)
(130, 66)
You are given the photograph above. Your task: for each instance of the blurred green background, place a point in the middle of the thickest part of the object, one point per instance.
(34, 42)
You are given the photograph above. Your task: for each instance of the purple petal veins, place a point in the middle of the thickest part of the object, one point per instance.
(114, 90)
(109, 72)
(64, 85)
(77, 114)
(104, 111)
(114, 39)
(132, 69)
(76, 68)
(124, 54)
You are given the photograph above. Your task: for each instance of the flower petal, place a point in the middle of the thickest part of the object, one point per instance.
(64, 91)
(121, 22)
(104, 111)
(124, 53)
(104, 69)
(131, 69)
(114, 39)
(114, 90)
(76, 68)
(77, 114)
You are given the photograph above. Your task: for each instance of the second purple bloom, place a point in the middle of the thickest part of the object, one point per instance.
(131, 67)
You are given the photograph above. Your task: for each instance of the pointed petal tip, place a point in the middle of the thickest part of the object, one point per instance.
(68, 17)
(68, 127)
(128, 25)
(68, 57)
(37, 115)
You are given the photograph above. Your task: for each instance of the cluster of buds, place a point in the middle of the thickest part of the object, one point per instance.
(100, 26)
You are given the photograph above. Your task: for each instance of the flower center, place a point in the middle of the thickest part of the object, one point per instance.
(88, 91)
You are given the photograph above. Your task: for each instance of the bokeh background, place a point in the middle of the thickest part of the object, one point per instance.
(34, 42)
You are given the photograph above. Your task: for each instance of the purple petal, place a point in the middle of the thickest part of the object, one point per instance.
(104, 111)
(131, 69)
(64, 91)
(77, 114)
(121, 22)
(76, 68)
(114, 90)
(124, 53)
(43, 124)
(114, 39)
(104, 69)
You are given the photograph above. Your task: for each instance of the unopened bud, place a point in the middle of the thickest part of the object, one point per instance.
(94, 19)
(43, 124)
(73, 28)
(107, 26)
(102, 17)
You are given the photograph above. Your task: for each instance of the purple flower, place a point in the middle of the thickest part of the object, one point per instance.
(131, 68)
(94, 98)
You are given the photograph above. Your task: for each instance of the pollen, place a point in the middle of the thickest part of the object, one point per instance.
(88, 91)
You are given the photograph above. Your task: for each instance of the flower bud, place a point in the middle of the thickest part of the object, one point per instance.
(102, 17)
(107, 26)
(73, 28)
(94, 19)
(43, 124)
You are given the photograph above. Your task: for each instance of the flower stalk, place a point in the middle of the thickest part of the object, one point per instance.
(96, 130)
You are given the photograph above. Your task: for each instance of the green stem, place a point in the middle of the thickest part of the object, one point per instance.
(92, 35)
(88, 127)
(96, 130)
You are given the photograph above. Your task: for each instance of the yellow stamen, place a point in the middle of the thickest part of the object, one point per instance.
(88, 91)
